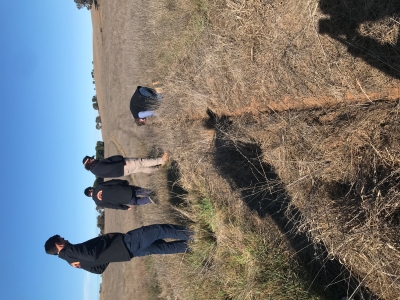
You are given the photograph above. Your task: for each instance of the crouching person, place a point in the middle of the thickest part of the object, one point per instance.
(118, 194)
(143, 103)
(94, 255)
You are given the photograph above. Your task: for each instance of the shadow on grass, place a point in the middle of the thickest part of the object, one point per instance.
(177, 193)
(263, 191)
(345, 18)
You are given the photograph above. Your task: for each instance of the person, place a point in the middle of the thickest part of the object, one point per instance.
(118, 194)
(95, 255)
(118, 166)
(143, 103)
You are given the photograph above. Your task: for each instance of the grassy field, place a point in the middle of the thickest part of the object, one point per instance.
(282, 122)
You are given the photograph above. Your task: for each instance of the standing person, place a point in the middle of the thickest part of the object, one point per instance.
(118, 194)
(118, 166)
(143, 103)
(94, 255)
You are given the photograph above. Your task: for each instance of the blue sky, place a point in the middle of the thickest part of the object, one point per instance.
(47, 126)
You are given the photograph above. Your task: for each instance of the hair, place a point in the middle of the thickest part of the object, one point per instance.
(138, 123)
(50, 245)
(85, 158)
(88, 190)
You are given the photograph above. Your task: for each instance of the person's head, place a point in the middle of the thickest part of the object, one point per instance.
(89, 191)
(140, 121)
(88, 162)
(55, 244)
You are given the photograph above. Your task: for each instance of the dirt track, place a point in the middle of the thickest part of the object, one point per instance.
(117, 73)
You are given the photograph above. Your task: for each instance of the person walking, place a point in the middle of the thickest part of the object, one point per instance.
(95, 255)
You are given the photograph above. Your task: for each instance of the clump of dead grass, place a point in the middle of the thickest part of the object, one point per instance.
(385, 31)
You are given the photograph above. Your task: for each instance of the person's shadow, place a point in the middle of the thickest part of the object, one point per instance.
(345, 17)
(261, 189)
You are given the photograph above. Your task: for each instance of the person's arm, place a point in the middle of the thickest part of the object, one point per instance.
(145, 114)
(115, 159)
(112, 206)
(89, 250)
(115, 182)
(97, 269)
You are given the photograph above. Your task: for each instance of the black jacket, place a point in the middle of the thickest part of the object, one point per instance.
(112, 166)
(94, 255)
(115, 194)
(142, 103)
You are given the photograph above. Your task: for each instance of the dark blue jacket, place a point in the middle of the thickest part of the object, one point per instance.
(112, 166)
(94, 255)
(116, 194)
(142, 103)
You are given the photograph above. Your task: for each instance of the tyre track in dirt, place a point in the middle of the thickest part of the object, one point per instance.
(117, 144)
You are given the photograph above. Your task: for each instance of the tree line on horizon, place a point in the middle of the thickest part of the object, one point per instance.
(84, 4)
(95, 105)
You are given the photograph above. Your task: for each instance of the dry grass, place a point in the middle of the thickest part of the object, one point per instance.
(284, 203)
(341, 170)
(260, 53)
(331, 173)
(236, 254)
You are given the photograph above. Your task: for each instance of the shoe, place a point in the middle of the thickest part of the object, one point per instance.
(158, 90)
(164, 157)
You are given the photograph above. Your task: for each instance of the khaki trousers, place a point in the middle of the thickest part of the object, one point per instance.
(141, 165)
